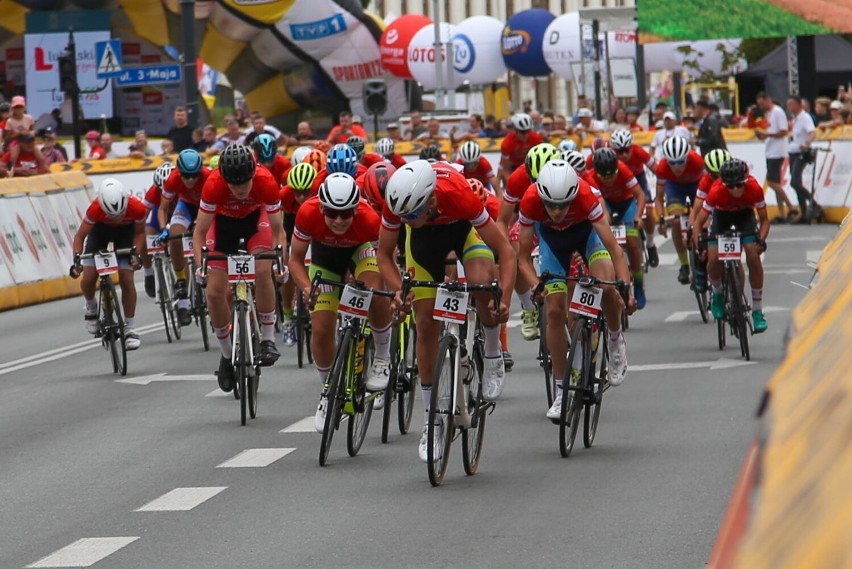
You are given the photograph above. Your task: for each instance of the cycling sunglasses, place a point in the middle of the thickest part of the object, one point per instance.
(736, 186)
(677, 162)
(622, 150)
(413, 215)
(189, 176)
(554, 205)
(338, 213)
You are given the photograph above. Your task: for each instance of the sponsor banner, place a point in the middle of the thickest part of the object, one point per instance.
(63, 222)
(22, 249)
(355, 60)
(111, 166)
(47, 231)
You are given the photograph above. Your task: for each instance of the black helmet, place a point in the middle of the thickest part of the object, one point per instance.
(431, 153)
(5, 107)
(237, 164)
(733, 172)
(605, 161)
(357, 144)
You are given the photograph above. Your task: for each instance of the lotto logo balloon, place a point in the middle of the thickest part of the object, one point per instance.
(395, 40)
(521, 42)
(422, 55)
(476, 50)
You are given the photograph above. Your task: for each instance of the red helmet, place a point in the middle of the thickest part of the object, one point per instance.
(600, 142)
(478, 189)
(322, 146)
(376, 180)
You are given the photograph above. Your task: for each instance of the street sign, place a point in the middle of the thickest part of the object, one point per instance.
(108, 56)
(154, 75)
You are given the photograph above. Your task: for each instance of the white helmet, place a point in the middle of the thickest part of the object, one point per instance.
(112, 197)
(557, 182)
(385, 146)
(575, 160)
(162, 173)
(567, 145)
(470, 152)
(675, 148)
(410, 187)
(522, 121)
(621, 138)
(300, 153)
(339, 192)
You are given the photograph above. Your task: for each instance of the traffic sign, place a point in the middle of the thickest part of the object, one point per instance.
(108, 56)
(154, 75)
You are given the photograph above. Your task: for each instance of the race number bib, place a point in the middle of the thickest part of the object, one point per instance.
(240, 268)
(355, 302)
(536, 260)
(729, 249)
(620, 234)
(187, 244)
(460, 271)
(684, 225)
(106, 264)
(586, 301)
(153, 245)
(308, 256)
(450, 306)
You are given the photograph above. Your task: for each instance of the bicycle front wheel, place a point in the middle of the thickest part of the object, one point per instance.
(163, 296)
(114, 329)
(439, 431)
(739, 308)
(572, 397)
(335, 393)
(362, 403)
(395, 369)
(201, 316)
(544, 357)
(592, 410)
(474, 436)
(242, 363)
(407, 391)
(301, 315)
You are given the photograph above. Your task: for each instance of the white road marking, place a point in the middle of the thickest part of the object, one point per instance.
(65, 351)
(798, 239)
(787, 271)
(219, 393)
(721, 363)
(659, 240)
(513, 323)
(256, 458)
(161, 377)
(181, 499)
(84, 552)
(668, 259)
(813, 255)
(306, 425)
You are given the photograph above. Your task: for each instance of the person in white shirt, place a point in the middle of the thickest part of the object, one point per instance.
(799, 149)
(775, 137)
(670, 129)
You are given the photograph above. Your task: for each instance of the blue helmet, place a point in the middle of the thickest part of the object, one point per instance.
(342, 158)
(265, 147)
(189, 162)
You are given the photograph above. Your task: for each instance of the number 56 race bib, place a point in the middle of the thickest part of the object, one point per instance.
(240, 268)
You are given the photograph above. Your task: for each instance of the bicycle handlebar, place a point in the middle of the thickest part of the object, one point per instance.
(277, 255)
(318, 280)
(585, 281)
(494, 288)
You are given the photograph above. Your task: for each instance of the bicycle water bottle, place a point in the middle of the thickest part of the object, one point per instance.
(464, 366)
(359, 356)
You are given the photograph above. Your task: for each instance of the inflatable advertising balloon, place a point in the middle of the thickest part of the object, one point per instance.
(395, 40)
(476, 50)
(561, 44)
(522, 42)
(421, 57)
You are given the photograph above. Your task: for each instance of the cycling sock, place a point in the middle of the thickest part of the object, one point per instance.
(267, 325)
(91, 305)
(426, 394)
(613, 338)
(323, 375)
(128, 322)
(224, 337)
(492, 342)
(559, 385)
(683, 258)
(527, 300)
(716, 285)
(149, 271)
(181, 275)
(183, 303)
(649, 239)
(638, 278)
(288, 314)
(504, 337)
(757, 299)
(381, 338)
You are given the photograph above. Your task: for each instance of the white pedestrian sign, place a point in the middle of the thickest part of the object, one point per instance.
(108, 56)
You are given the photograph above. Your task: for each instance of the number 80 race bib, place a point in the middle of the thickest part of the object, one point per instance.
(586, 301)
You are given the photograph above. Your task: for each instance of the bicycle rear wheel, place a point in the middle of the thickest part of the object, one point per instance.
(163, 296)
(439, 430)
(473, 437)
(335, 393)
(544, 356)
(115, 330)
(395, 369)
(242, 363)
(592, 409)
(359, 422)
(739, 307)
(410, 379)
(576, 375)
(201, 316)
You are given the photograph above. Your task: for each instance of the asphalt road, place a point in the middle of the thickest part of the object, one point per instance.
(81, 453)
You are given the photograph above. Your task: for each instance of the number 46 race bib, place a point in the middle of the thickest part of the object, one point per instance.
(355, 302)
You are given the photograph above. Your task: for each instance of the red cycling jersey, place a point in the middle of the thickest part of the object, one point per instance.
(397, 160)
(323, 174)
(174, 186)
(617, 190)
(311, 226)
(289, 204)
(691, 174)
(152, 196)
(720, 198)
(492, 206)
(515, 151)
(704, 185)
(638, 159)
(217, 198)
(516, 186)
(280, 167)
(370, 158)
(455, 201)
(136, 211)
(483, 171)
(584, 207)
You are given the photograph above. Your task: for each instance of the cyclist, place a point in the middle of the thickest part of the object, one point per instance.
(341, 158)
(295, 192)
(443, 215)
(373, 184)
(712, 162)
(575, 159)
(516, 145)
(622, 194)
(598, 143)
(151, 200)
(670, 129)
(431, 153)
(317, 159)
(732, 199)
(567, 145)
(678, 174)
(563, 212)
(477, 166)
(365, 158)
(184, 183)
(239, 201)
(117, 217)
(637, 159)
(387, 149)
(266, 150)
(340, 227)
(518, 183)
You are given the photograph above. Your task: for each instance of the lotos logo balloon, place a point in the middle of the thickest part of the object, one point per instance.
(522, 40)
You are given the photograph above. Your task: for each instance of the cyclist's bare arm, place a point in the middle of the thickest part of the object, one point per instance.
(504, 218)
(276, 224)
(139, 235)
(385, 258)
(763, 218)
(199, 236)
(525, 242)
(298, 270)
(502, 249)
(80, 237)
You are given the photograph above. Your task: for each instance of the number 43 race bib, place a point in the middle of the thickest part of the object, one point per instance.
(450, 306)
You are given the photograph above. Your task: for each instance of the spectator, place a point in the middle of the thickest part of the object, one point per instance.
(53, 120)
(835, 119)
(669, 129)
(536, 120)
(140, 147)
(476, 129)
(775, 136)
(588, 125)
(821, 112)
(434, 133)
(660, 110)
(417, 127)
(304, 135)
(167, 147)
(106, 144)
(181, 133)
(619, 120)
(393, 132)
(582, 103)
(633, 114)
(259, 126)
(846, 115)
(5, 111)
(51, 151)
(546, 131)
(801, 136)
(18, 121)
(710, 132)
(232, 135)
(492, 127)
(93, 139)
(28, 162)
(340, 133)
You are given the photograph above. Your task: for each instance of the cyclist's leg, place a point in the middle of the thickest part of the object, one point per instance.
(152, 227)
(676, 195)
(181, 219)
(367, 270)
(529, 321)
(288, 290)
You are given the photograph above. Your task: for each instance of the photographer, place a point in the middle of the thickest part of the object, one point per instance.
(799, 150)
